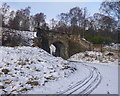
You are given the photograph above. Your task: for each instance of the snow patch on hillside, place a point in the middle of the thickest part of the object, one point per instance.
(113, 46)
(27, 37)
(24, 68)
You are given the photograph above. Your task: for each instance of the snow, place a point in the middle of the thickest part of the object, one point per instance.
(31, 70)
(85, 40)
(52, 49)
(96, 57)
(27, 36)
(112, 47)
(62, 84)
(107, 64)
(23, 68)
(78, 81)
(109, 84)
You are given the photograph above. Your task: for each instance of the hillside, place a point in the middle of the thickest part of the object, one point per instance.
(23, 68)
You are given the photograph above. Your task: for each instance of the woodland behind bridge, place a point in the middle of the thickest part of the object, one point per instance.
(101, 28)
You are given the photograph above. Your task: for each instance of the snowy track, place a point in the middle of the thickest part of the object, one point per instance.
(87, 85)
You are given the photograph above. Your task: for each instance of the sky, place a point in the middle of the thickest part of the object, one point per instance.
(52, 9)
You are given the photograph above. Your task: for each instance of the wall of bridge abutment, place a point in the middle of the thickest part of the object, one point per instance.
(0, 36)
(0, 29)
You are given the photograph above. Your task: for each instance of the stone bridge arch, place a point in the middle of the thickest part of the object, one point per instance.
(61, 48)
(66, 44)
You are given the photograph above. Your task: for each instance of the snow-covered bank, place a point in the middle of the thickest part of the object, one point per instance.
(96, 57)
(18, 37)
(24, 68)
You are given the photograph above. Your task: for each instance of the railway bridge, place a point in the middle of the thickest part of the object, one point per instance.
(66, 44)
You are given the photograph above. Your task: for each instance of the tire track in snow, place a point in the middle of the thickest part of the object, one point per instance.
(93, 84)
(87, 85)
(82, 83)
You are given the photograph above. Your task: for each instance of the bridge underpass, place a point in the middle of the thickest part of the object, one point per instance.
(66, 44)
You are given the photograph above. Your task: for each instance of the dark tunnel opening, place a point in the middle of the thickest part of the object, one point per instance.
(56, 49)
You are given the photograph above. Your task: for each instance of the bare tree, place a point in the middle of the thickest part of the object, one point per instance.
(111, 8)
(26, 18)
(39, 19)
(53, 23)
(11, 20)
(4, 10)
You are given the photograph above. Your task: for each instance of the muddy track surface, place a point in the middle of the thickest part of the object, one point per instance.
(87, 85)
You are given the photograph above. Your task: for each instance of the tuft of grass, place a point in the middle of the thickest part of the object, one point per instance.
(66, 67)
(50, 78)
(2, 87)
(110, 54)
(35, 83)
(24, 90)
(21, 63)
(39, 60)
(86, 55)
(5, 71)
